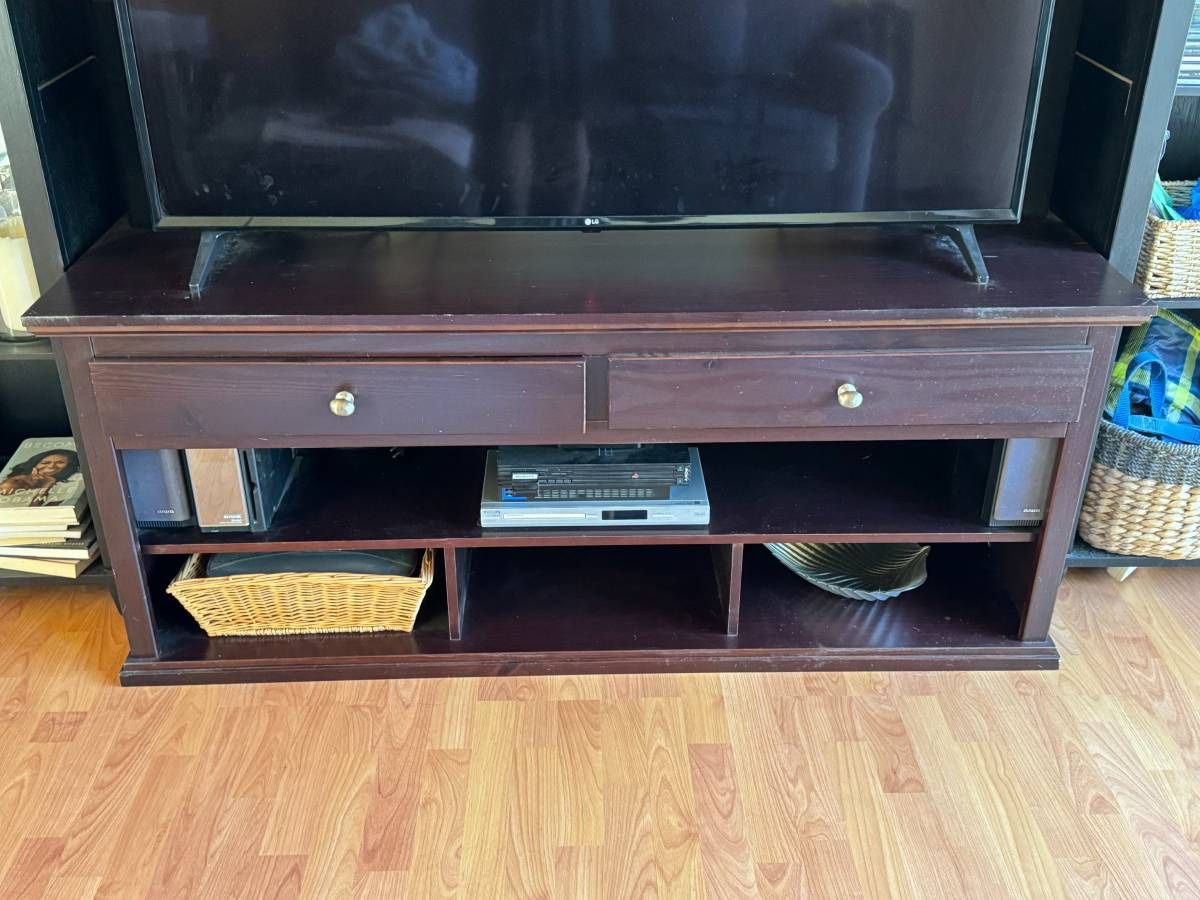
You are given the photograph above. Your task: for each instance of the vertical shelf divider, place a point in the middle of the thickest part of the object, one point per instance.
(458, 575)
(727, 564)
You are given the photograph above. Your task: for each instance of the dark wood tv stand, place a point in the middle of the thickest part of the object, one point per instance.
(735, 340)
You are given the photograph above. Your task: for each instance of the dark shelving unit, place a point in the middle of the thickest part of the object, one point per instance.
(97, 573)
(1085, 556)
(69, 183)
(32, 405)
(23, 351)
(739, 344)
(1179, 303)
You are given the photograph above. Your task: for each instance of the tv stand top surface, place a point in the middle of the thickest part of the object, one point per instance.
(567, 281)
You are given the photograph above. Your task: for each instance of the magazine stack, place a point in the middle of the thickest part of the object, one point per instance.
(45, 526)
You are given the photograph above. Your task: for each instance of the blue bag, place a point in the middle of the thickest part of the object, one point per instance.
(1175, 342)
(1156, 424)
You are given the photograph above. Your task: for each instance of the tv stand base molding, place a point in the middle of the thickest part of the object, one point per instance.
(736, 341)
(1039, 655)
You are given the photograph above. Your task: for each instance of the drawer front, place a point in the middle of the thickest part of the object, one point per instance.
(795, 391)
(281, 399)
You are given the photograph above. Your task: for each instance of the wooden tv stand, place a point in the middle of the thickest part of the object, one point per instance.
(734, 340)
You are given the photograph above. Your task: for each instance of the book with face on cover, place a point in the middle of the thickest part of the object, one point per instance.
(42, 484)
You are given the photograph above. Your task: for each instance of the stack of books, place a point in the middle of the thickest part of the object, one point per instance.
(45, 526)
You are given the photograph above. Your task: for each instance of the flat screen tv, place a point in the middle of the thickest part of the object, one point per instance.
(583, 113)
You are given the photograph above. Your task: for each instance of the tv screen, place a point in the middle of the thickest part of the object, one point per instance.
(577, 113)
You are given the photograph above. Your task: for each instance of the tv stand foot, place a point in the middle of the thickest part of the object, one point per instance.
(968, 245)
(208, 254)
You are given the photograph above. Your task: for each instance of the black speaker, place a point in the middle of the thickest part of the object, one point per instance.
(158, 489)
(1019, 481)
(1012, 476)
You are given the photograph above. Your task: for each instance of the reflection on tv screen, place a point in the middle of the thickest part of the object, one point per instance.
(560, 109)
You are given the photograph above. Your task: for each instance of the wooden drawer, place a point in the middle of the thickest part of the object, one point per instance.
(238, 400)
(798, 390)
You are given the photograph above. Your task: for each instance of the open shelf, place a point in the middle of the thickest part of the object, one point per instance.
(23, 351)
(818, 492)
(584, 599)
(961, 605)
(1178, 303)
(654, 608)
(96, 573)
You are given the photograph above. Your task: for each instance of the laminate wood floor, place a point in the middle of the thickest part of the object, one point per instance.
(1078, 783)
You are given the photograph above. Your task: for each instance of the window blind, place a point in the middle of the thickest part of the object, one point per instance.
(1189, 72)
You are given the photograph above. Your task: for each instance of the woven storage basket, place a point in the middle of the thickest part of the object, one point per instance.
(1169, 263)
(301, 602)
(1143, 496)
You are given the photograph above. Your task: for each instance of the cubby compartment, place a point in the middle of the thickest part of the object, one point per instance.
(826, 492)
(364, 497)
(581, 599)
(183, 642)
(964, 604)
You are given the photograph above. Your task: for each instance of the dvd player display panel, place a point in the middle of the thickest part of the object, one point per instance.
(524, 468)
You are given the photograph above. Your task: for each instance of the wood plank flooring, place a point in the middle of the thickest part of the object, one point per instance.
(1078, 783)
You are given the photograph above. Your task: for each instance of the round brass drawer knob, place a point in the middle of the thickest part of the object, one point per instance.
(342, 404)
(849, 396)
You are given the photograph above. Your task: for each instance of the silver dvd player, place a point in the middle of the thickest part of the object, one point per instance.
(686, 506)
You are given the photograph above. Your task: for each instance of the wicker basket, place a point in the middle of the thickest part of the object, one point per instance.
(1143, 497)
(1169, 263)
(302, 602)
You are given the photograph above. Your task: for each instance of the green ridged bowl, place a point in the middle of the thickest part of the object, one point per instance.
(870, 572)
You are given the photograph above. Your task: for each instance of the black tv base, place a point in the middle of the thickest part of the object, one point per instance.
(964, 239)
(214, 245)
(208, 254)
